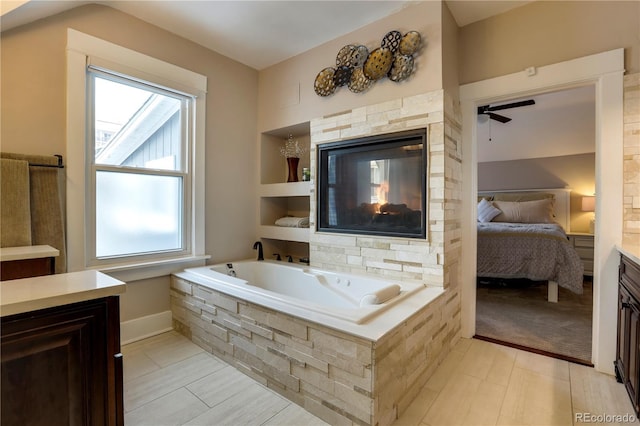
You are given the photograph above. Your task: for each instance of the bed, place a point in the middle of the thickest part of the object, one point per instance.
(522, 234)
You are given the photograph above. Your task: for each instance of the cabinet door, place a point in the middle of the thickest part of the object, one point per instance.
(58, 366)
(624, 324)
(633, 383)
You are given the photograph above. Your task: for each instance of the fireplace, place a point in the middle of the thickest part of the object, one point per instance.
(374, 185)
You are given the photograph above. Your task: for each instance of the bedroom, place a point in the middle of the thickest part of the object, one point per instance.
(547, 145)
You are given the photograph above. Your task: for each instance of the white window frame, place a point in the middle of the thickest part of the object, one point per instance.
(84, 50)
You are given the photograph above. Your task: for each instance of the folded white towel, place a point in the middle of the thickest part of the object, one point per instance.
(380, 296)
(293, 222)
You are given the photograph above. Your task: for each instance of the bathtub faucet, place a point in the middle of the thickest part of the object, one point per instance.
(258, 245)
(230, 271)
(277, 255)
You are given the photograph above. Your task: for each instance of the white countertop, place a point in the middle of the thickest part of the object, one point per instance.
(27, 252)
(632, 251)
(30, 294)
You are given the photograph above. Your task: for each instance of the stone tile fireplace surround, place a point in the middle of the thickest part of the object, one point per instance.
(398, 258)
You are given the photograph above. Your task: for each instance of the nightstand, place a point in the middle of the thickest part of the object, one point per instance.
(583, 243)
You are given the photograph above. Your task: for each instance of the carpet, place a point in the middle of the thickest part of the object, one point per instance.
(516, 312)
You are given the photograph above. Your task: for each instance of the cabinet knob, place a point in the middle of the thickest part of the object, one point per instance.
(626, 305)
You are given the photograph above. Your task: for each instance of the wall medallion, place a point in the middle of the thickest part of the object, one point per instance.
(358, 69)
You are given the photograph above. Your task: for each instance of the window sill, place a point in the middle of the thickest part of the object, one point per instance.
(154, 269)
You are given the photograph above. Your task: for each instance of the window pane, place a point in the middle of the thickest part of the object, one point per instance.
(136, 127)
(137, 213)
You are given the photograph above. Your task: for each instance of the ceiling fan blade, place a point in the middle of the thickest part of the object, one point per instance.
(511, 105)
(498, 117)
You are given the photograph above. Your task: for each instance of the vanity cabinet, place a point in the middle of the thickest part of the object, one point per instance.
(279, 198)
(627, 364)
(61, 364)
(27, 261)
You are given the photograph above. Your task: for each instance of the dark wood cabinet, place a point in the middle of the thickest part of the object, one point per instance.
(27, 261)
(16, 269)
(627, 364)
(62, 365)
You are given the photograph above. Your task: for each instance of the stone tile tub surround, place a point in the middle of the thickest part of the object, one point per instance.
(357, 377)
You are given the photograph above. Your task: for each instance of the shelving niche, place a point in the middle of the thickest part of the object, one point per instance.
(279, 198)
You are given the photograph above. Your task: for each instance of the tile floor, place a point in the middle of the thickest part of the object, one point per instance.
(168, 380)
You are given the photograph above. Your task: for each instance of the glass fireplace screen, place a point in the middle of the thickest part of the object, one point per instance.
(374, 185)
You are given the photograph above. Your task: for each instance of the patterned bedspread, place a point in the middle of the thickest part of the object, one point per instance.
(526, 250)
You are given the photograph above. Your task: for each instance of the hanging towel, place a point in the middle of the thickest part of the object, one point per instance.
(47, 220)
(293, 222)
(15, 215)
(46, 188)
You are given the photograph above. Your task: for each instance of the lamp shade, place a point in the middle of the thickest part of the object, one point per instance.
(588, 204)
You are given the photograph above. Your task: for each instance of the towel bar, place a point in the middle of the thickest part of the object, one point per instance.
(60, 165)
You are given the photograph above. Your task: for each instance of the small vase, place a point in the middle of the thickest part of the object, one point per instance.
(292, 162)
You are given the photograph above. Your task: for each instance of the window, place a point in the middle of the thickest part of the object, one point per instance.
(137, 167)
(135, 159)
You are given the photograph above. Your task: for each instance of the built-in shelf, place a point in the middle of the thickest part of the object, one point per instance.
(300, 235)
(278, 198)
(287, 189)
(273, 166)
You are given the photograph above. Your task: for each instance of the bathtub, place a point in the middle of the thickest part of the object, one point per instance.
(367, 342)
(303, 291)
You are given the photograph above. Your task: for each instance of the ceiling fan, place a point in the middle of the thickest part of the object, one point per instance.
(488, 110)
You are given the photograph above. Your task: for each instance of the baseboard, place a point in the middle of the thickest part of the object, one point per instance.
(143, 327)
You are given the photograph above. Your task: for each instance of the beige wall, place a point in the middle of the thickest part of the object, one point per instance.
(450, 33)
(286, 95)
(547, 32)
(33, 120)
(572, 171)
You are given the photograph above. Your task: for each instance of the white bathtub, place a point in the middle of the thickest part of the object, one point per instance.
(298, 289)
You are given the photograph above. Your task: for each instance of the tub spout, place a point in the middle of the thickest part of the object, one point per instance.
(289, 258)
(258, 245)
(230, 271)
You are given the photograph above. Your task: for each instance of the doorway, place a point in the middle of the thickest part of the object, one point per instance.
(604, 72)
(532, 148)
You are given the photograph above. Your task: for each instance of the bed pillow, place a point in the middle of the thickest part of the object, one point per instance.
(486, 211)
(537, 211)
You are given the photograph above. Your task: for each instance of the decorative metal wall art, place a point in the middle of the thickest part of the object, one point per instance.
(358, 69)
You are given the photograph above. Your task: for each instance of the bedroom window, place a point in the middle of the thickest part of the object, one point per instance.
(139, 147)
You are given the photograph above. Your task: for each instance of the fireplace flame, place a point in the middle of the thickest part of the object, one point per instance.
(381, 194)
